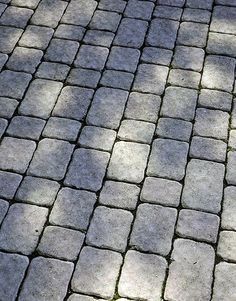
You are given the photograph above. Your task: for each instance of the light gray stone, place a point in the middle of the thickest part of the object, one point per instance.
(138, 131)
(184, 78)
(53, 71)
(225, 284)
(231, 168)
(51, 159)
(196, 15)
(208, 149)
(221, 44)
(37, 191)
(87, 169)
(16, 16)
(142, 276)
(125, 59)
(223, 19)
(105, 20)
(21, 81)
(112, 5)
(49, 13)
(139, 9)
(179, 103)
(162, 33)
(203, 186)
(3, 126)
(109, 228)
(12, 271)
(98, 138)
(107, 108)
(198, 225)
(119, 194)
(84, 77)
(226, 2)
(9, 183)
(40, 98)
(192, 34)
(117, 79)
(156, 56)
(78, 297)
(168, 12)
(73, 208)
(233, 115)
(218, 73)
(179, 3)
(168, 159)
(153, 229)
(174, 129)
(73, 102)
(128, 162)
(2, 7)
(26, 127)
(3, 59)
(22, 227)
(161, 191)
(46, 279)
(190, 273)
(79, 12)
(70, 32)
(150, 79)
(188, 58)
(8, 38)
(228, 217)
(4, 205)
(36, 36)
(61, 128)
(89, 278)
(131, 33)
(25, 3)
(7, 107)
(61, 243)
(15, 154)
(226, 248)
(215, 99)
(211, 123)
(99, 37)
(203, 4)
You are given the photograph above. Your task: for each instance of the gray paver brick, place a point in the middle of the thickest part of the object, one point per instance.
(188, 58)
(16, 16)
(70, 32)
(22, 227)
(203, 4)
(3, 59)
(84, 77)
(7, 107)
(117, 79)
(223, 19)
(153, 229)
(226, 2)
(139, 9)
(112, 5)
(8, 38)
(90, 278)
(25, 3)
(228, 220)
(226, 248)
(3, 126)
(53, 71)
(221, 44)
(231, 171)
(78, 297)
(203, 186)
(157, 56)
(184, 78)
(142, 276)
(168, 12)
(4, 205)
(105, 20)
(196, 15)
(233, 115)
(192, 34)
(179, 3)
(99, 37)
(9, 183)
(215, 99)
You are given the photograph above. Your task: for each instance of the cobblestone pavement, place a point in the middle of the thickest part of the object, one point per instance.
(117, 150)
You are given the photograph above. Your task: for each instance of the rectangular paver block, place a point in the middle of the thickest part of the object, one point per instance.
(228, 217)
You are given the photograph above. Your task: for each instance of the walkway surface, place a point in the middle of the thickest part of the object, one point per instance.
(117, 150)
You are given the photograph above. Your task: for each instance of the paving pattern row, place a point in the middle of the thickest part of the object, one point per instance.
(117, 150)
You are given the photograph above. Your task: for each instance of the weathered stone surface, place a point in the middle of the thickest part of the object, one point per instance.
(184, 78)
(9, 183)
(203, 4)
(215, 99)
(117, 79)
(156, 55)
(168, 159)
(51, 159)
(161, 191)
(46, 279)
(16, 16)
(188, 58)
(89, 278)
(53, 71)
(22, 227)
(92, 57)
(228, 220)
(70, 32)
(231, 171)
(4, 205)
(190, 274)
(192, 34)
(3, 126)
(128, 162)
(99, 37)
(84, 77)
(7, 107)
(221, 44)
(3, 59)
(223, 19)
(203, 186)
(8, 38)
(105, 20)
(153, 229)
(139, 10)
(142, 276)
(226, 248)
(179, 3)
(26, 3)
(73, 208)
(232, 139)
(196, 15)
(168, 12)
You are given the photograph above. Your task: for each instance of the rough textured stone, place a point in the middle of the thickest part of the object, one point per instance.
(89, 278)
(16, 16)
(84, 77)
(168, 12)
(215, 99)
(8, 38)
(142, 276)
(168, 159)
(184, 78)
(61, 243)
(37, 191)
(203, 185)
(179, 3)
(15, 154)
(92, 57)
(78, 297)
(98, 138)
(9, 183)
(26, 3)
(46, 279)
(22, 227)
(70, 32)
(198, 225)
(179, 103)
(211, 123)
(7, 107)
(226, 248)
(161, 191)
(228, 220)
(119, 194)
(3, 59)
(112, 5)
(226, 2)
(203, 4)
(128, 162)
(3, 126)
(221, 44)
(156, 56)
(223, 19)
(73, 208)
(51, 159)
(196, 15)
(12, 271)
(117, 79)
(150, 79)
(192, 34)
(4, 205)
(105, 20)
(87, 169)
(99, 37)
(190, 274)
(233, 115)
(107, 108)
(162, 33)
(139, 9)
(53, 71)
(40, 98)
(109, 228)
(188, 58)
(153, 229)
(231, 168)
(218, 73)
